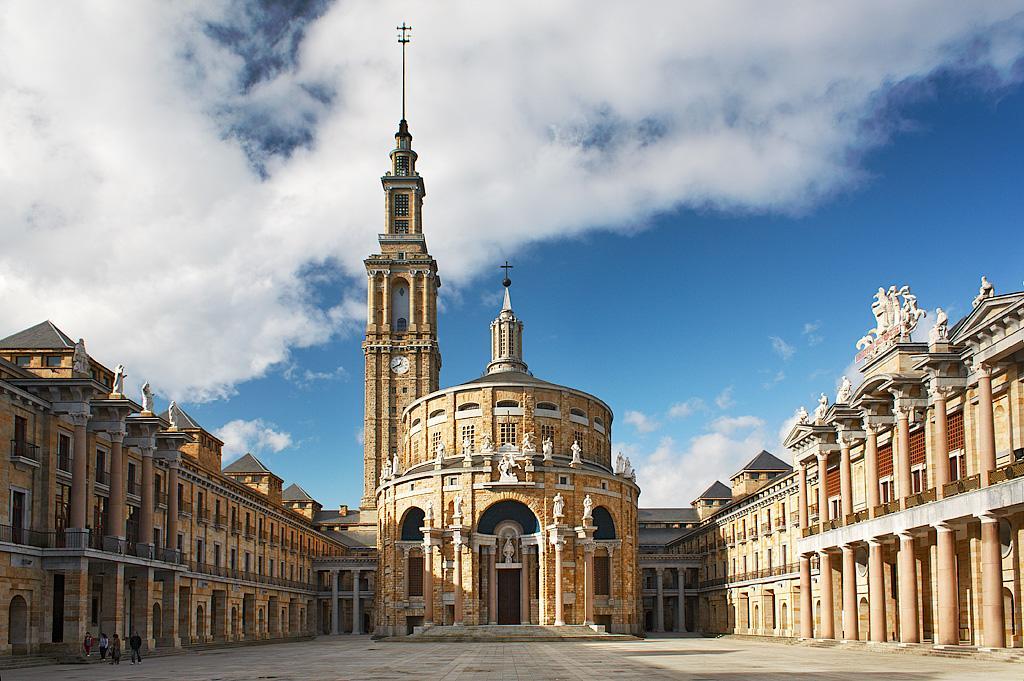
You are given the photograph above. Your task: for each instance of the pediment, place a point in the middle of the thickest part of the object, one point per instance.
(989, 311)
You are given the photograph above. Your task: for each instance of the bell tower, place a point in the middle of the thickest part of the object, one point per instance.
(401, 355)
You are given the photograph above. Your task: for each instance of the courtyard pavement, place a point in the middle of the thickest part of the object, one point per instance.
(694, 659)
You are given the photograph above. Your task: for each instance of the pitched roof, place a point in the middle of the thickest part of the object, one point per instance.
(661, 536)
(766, 461)
(686, 514)
(295, 493)
(42, 336)
(246, 464)
(717, 490)
(186, 421)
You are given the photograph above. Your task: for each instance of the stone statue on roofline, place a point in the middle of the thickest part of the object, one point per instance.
(80, 360)
(819, 411)
(147, 399)
(549, 448)
(588, 509)
(845, 391)
(118, 386)
(986, 291)
(172, 415)
(558, 507)
(802, 415)
(940, 332)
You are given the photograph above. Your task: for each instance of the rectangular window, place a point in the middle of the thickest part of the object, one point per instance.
(401, 205)
(401, 165)
(918, 479)
(885, 487)
(547, 431)
(64, 452)
(23, 360)
(234, 559)
(415, 575)
(469, 433)
(507, 433)
(401, 226)
(200, 553)
(435, 441)
(602, 576)
(834, 508)
(956, 465)
(53, 361)
(579, 437)
(101, 467)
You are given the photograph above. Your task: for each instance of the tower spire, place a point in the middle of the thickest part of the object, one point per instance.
(507, 335)
(404, 36)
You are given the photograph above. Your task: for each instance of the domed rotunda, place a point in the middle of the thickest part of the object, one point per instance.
(502, 505)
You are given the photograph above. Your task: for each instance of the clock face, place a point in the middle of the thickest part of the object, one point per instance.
(400, 364)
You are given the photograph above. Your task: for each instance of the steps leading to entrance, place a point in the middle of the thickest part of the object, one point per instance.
(510, 633)
(22, 661)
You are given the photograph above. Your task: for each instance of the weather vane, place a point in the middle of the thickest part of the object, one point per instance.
(404, 37)
(506, 282)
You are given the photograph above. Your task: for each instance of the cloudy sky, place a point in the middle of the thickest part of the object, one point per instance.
(699, 200)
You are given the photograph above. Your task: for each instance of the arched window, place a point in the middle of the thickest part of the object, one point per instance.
(411, 524)
(507, 403)
(468, 405)
(400, 306)
(548, 406)
(598, 421)
(605, 524)
(577, 412)
(508, 509)
(437, 412)
(402, 325)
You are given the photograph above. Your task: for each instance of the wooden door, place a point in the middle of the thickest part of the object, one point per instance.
(508, 596)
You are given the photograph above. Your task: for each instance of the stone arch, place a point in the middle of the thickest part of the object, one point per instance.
(156, 626)
(756, 620)
(200, 623)
(259, 622)
(17, 625)
(784, 617)
(863, 619)
(604, 522)
(412, 521)
(1010, 621)
(234, 621)
(508, 509)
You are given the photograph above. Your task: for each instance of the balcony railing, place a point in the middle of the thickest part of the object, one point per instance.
(102, 477)
(64, 462)
(1005, 473)
(250, 532)
(857, 517)
(203, 515)
(236, 527)
(794, 518)
(776, 571)
(887, 508)
(133, 487)
(967, 484)
(159, 499)
(184, 508)
(21, 449)
(263, 537)
(220, 521)
(235, 573)
(920, 498)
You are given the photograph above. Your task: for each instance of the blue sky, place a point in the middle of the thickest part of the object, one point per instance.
(698, 210)
(684, 311)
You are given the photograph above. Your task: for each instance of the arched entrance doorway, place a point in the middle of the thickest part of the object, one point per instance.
(157, 629)
(513, 560)
(200, 624)
(17, 621)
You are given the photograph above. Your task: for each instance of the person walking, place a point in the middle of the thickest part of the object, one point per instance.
(115, 650)
(135, 643)
(104, 644)
(87, 644)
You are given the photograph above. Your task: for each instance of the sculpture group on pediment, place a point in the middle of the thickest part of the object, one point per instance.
(893, 319)
(506, 465)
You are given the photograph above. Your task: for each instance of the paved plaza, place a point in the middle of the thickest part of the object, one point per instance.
(696, 659)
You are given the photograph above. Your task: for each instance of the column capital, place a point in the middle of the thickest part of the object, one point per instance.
(939, 393)
(988, 517)
(850, 546)
(903, 412)
(80, 418)
(905, 535)
(872, 429)
(876, 541)
(117, 436)
(943, 527)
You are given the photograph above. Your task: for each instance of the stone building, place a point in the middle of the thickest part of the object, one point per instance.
(121, 520)
(496, 501)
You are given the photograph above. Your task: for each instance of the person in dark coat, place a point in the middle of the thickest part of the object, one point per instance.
(104, 644)
(115, 650)
(135, 643)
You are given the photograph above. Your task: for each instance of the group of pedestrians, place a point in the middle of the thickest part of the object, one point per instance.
(112, 647)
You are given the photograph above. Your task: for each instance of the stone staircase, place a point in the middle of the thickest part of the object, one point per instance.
(511, 633)
(22, 661)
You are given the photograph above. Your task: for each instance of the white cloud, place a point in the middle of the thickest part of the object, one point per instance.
(129, 135)
(681, 410)
(674, 474)
(304, 378)
(782, 348)
(641, 421)
(255, 436)
(724, 400)
(778, 377)
(810, 333)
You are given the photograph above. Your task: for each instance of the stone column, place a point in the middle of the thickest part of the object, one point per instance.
(907, 576)
(357, 627)
(588, 580)
(112, 602)
(170, 636)
(386, 302)
(876, 591)
(77, 599)
(335, 614)
(659, 619)
(994, 632)
(823, 515)
(806, 598)
(940, 442)
(371, 281)
(148, 498)
(117, 493)
(524, 588)
(986, 429)
(681, 611)
(79, 500)
(492, 586)
(903, 455)
(558, 541)
(171, 529)
(457, 578)
(828, 619)
(845, 476)
(851, 630)
(428, 584)
(948, 621)
(872, 493)
(802, 496)
(413, 276)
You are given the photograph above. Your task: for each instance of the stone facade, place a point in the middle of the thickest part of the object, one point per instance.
(118, 521)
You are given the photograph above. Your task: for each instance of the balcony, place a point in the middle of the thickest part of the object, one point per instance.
(920, 498)
(968, 484)
(102, 477)
(203, 515)
(273, 540)
(263, 537)
(220, 521)
(250, 532)
(887, 508)
(184, 508)
(857, 517)
(160, 500)
(24, 452)
(64, 462)
(133, 487)
(794, 518)
(1005, 473)
(236, 527)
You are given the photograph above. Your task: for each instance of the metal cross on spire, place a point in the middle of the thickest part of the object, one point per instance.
(506, 282)
(404, 36)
